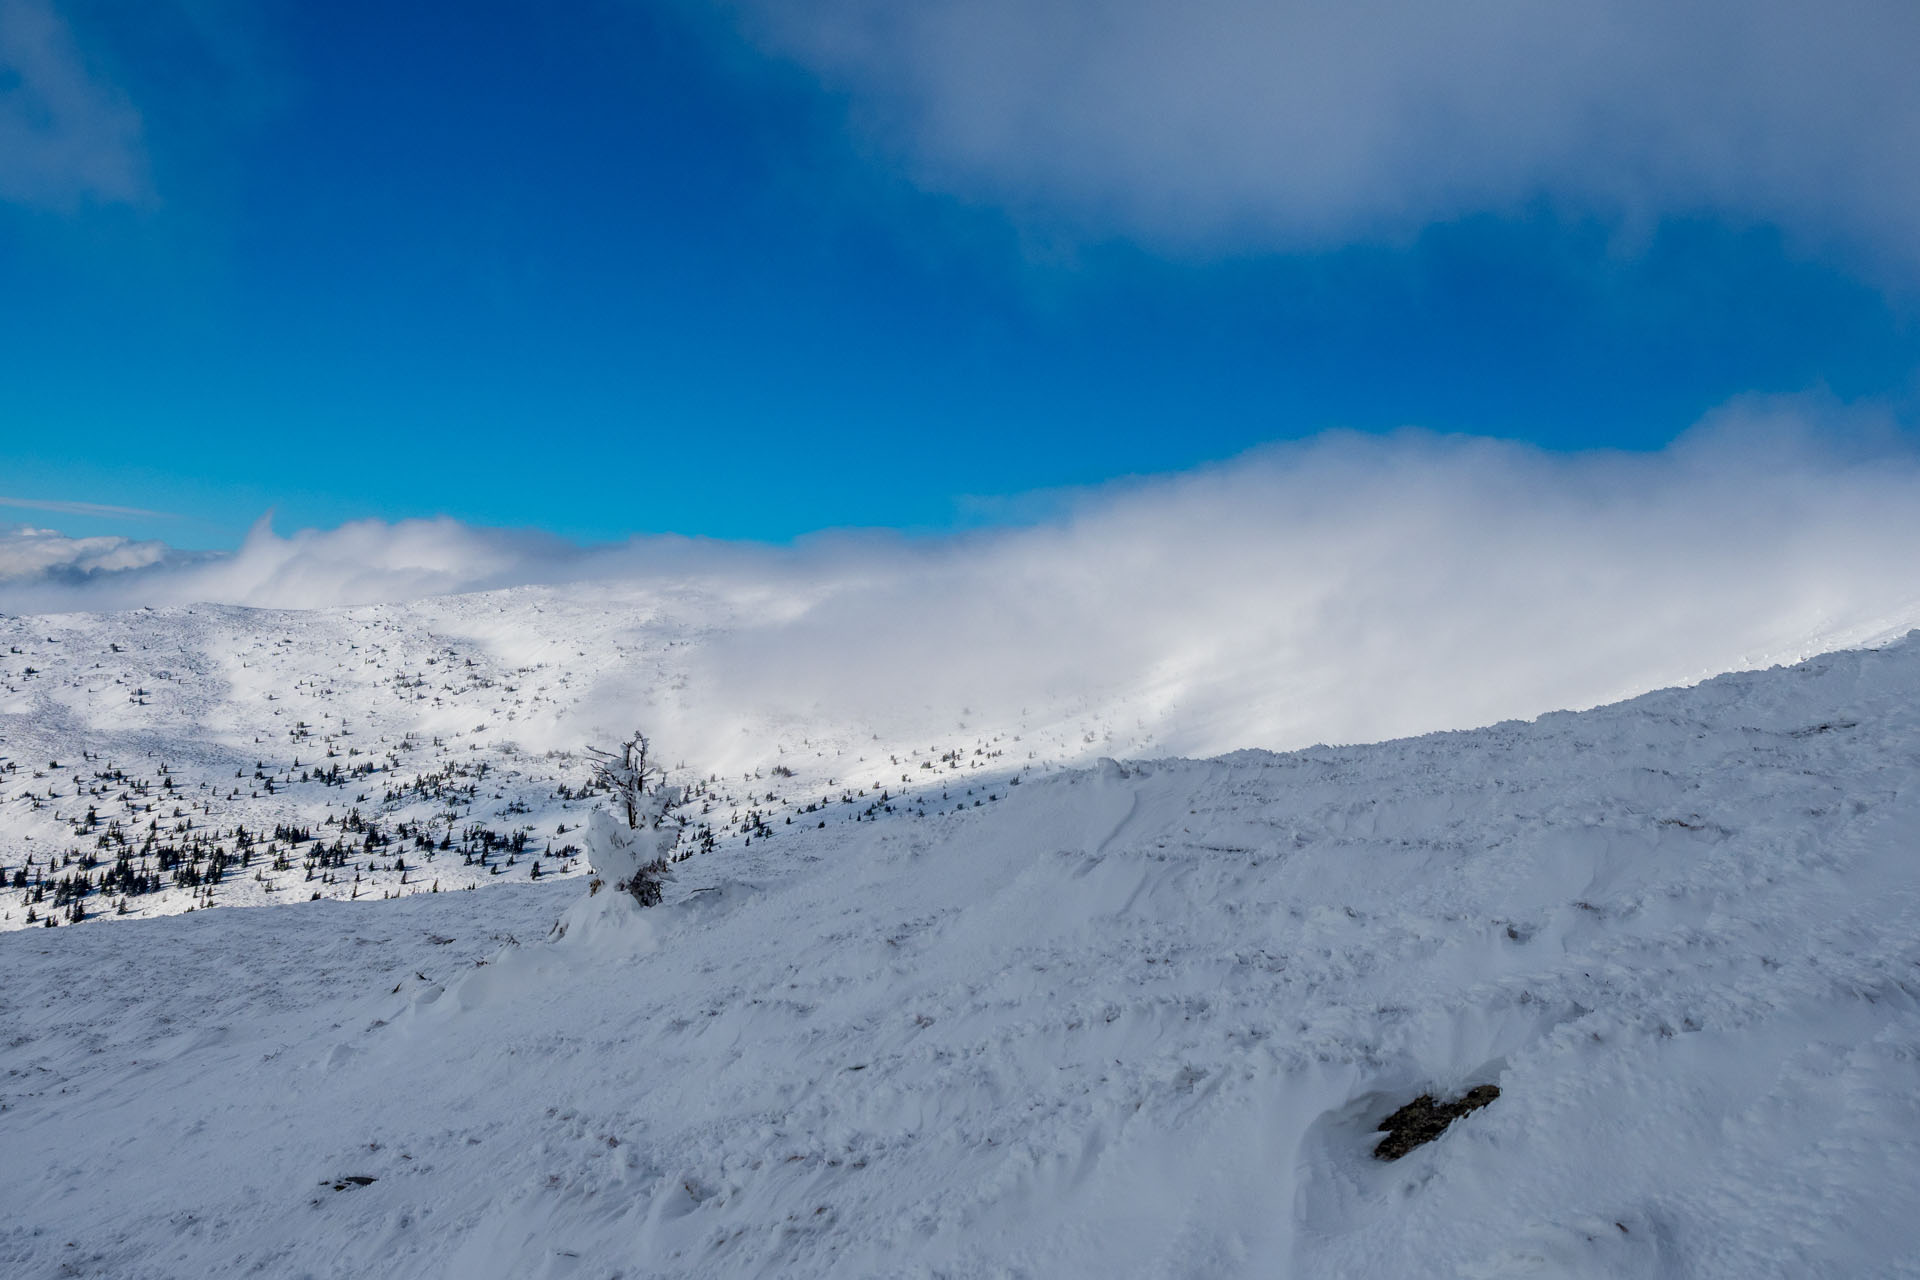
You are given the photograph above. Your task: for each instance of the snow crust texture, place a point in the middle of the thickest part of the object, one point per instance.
(1139, 1020)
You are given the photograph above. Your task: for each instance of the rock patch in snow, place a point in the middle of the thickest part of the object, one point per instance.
(1426, 1118)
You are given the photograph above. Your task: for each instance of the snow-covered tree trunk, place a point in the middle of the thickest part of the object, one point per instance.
(629, 845)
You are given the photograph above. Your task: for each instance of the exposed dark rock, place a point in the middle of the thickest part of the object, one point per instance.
(1423, 1120)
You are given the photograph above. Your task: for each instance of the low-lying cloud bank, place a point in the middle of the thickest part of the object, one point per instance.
(41, 561)
(1344, 587)
(1354, 587)
(366, 562)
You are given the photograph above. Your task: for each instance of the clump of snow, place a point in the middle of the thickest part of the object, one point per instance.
(1142, 1020)
(621, 857)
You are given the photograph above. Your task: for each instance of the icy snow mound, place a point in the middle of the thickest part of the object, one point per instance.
(1135, 1021)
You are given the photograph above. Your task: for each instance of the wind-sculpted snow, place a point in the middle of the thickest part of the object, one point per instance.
(1141, 1020)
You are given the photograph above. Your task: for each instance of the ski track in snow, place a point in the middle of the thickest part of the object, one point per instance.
(1136, 1020)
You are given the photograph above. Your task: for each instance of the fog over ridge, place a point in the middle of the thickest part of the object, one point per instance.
(1340, 588)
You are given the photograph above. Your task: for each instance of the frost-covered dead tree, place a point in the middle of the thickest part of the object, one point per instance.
(627, 775)
(631, 847)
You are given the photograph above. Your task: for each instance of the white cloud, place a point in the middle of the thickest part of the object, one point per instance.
(1285, 123)
(1354, 587)
(33, 560)
(65, 135)
(360, 563)
(1346, 587)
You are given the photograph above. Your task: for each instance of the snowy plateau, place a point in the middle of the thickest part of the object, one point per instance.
(1006, 998)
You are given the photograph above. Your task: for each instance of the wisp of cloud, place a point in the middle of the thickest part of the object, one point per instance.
(1282, 123)
(64, 134)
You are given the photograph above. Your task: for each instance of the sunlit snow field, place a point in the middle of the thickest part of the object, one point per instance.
(1136, 1020)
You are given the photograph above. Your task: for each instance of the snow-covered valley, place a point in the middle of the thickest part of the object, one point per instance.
(1138, 1019)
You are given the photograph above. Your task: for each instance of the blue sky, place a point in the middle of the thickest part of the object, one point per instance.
(617, 268)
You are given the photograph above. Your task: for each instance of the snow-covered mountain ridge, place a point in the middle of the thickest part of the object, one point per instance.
(152, 761)
(1139, 1020)
(156, 761)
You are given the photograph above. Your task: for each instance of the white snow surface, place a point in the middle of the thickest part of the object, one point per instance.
(1135, 1020)
(777, 704)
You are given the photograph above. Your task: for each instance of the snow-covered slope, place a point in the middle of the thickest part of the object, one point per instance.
(400, 749)
(223, 756)
(1138, 1020)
